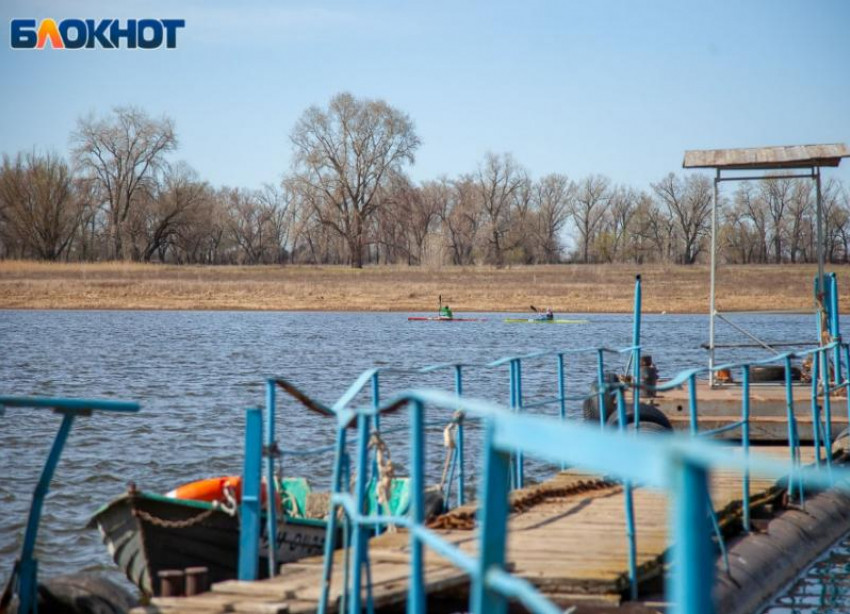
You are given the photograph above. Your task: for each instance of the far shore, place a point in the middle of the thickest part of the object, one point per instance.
(514, 289)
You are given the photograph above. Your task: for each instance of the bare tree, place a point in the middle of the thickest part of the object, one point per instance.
(588, 206)
(552, 198)
(168, 210)
(689, 204)
(343, 155)
(122, 152)
(499, 181)
(40, 206)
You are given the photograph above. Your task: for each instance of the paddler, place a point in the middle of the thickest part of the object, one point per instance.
(548, 315)
(446, 312)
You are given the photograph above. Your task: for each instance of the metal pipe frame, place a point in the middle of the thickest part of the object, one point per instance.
(249, 510)
(814, 174)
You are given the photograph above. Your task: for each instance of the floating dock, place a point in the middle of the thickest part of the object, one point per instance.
(566, 537)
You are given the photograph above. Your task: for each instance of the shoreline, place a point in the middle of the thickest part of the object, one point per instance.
(567, 289)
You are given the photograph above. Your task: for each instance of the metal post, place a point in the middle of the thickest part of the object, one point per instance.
(713, 287)
(416, 593)
(827, 410)
(630, 505)
(249, 527)
(791, 419)
(358, 539)
(600, 384)
(461, 476)
(692, 404)
(28, 565)
(820, 237)
(520, 457)
(636, 352)
(745, 437)
(271, 491)
(493, 520)
(562, 393)
(693, 554)
(376, 403)
(815, 407)
(834, 327)
(513, 475)
(330, 536)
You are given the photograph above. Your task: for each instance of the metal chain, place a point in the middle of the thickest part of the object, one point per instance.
(175, 524)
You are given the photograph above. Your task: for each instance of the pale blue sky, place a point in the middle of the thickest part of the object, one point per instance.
(616, 87)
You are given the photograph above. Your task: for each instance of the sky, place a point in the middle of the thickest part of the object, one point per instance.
(621, 88)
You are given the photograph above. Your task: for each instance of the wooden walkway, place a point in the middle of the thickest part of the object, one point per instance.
(569, 541)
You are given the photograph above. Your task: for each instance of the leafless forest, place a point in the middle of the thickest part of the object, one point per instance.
(347, 199)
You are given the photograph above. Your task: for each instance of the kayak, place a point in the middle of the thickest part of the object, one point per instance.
(543, 321)
(443, 319)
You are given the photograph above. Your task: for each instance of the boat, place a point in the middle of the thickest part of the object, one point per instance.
(543, 321)
(443, 319)
(146, 533)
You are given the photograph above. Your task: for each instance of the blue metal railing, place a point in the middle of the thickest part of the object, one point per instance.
(24, 577)
(680, 465)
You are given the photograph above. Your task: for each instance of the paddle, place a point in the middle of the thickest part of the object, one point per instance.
(533, 308)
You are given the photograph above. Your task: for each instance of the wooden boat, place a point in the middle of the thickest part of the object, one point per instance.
(147, 533)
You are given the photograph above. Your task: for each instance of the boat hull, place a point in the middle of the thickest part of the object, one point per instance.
(148, 533)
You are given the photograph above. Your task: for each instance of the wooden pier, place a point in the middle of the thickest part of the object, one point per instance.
(566, 536)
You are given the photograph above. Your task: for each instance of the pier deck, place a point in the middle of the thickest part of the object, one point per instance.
(567, 537)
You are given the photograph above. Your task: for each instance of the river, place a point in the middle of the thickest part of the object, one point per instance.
(196, 372)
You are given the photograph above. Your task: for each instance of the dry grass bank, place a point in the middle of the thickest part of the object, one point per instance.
(567, 288)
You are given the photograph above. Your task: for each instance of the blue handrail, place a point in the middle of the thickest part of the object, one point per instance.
(674, 463)
(25, 574)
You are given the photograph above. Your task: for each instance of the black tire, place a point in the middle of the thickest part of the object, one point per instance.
(768, 373)
(652, 420)
(841, 442)
(590, 407)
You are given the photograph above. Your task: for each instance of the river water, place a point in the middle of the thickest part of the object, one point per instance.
(196, 372)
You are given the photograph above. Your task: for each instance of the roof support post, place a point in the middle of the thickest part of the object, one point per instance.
(711, 307)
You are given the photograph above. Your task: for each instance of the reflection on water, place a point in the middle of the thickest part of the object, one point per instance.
(196, 372)
(823, 589)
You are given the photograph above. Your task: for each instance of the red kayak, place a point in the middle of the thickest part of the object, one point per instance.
(443, 319)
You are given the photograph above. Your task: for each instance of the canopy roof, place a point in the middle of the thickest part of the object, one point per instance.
(766, 158)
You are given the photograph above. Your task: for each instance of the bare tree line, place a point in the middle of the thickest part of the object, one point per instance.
(348, 200)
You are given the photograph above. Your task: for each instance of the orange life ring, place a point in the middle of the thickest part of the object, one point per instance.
(213, 489)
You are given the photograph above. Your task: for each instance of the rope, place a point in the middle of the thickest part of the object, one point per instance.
(386, 473)
(450, 443)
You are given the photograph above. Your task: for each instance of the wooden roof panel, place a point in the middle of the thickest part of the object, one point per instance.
(791, 156)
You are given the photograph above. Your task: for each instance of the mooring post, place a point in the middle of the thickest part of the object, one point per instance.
(271, 490)
(493, 520)
(745, 441)
(249, 527)
(416, 594)
(693, 554)
(461, 475)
